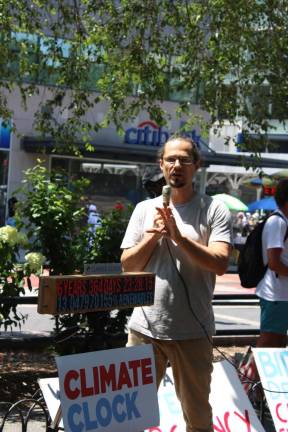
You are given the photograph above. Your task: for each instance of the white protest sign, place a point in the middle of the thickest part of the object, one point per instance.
(232, 410)
(272, 365)
(112, 390)
(50, 390)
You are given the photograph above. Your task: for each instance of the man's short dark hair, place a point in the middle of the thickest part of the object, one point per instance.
(194, 149)
(281, 194)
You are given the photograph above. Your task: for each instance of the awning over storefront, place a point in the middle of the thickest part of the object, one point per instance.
(142, 154)
(241, 159)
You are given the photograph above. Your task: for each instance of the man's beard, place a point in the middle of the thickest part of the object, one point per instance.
(177, 183)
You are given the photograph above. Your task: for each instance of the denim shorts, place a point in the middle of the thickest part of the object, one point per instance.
(274, 316)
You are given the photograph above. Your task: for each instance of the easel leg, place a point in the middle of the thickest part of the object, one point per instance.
(54, 427)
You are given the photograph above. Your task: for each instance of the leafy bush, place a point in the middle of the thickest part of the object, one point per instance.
(54, 217)
(106, 249)
(107, 238)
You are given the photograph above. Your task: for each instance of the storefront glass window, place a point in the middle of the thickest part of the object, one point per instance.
(109, 182)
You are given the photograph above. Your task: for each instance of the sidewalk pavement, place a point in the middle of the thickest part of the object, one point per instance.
(229, 283)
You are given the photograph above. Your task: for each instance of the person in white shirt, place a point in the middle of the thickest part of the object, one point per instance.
(273, 288)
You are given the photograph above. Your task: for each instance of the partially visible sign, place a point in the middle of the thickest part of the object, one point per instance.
(51, 393)
(148, 133)
(272, 365)
(102, 268)
(76, 293)
(5, 135)
(232, 410)
(112, 390)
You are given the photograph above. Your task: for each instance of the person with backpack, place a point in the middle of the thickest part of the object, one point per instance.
(272, 289)
(263, 263)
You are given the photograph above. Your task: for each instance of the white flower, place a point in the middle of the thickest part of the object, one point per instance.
(35, 261)
(8, 234)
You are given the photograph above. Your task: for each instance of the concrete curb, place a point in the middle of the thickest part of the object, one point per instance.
(40, 341)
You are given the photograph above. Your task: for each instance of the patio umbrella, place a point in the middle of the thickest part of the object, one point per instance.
(282, 174)
(267, 203)
(231, 202)
(256, 182)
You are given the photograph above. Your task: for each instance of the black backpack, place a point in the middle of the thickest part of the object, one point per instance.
(251, 268)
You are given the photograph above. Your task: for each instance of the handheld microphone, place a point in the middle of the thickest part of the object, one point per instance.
(166, 194)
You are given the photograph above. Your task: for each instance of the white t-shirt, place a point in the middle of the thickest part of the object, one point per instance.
(204, 220)
(274, 287)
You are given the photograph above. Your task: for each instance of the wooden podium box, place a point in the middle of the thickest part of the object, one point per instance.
(60, 295)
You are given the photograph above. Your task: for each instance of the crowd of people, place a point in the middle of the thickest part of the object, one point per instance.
(244, 223)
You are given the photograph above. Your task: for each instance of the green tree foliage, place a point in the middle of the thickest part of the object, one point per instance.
(233, 53)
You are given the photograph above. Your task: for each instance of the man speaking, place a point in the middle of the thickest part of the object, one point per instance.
(185, 243)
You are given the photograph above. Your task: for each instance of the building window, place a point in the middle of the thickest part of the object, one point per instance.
(109, 182)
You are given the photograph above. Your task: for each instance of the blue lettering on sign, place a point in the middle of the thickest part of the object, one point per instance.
(167, 380)
(277, 390)
(149, 134)
(119, 416)
(122, 407)
(274, 363)
(131, 407)
(72, 417)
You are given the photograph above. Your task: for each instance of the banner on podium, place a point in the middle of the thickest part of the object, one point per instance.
(90, 293)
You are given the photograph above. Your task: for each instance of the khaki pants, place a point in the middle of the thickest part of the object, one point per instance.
(191, 363)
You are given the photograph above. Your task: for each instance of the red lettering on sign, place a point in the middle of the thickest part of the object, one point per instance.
(245, 419)
(96, 380)
(225, 427)
(71, 393)
(277, 409)
(124, 378)
(134, 365)
(85, 391)
(147, 377)
(107, 377)
(220, 427)
(130, 374)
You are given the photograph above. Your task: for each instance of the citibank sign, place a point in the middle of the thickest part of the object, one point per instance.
(150, 134)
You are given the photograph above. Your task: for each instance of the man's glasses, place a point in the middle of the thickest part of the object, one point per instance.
(171, 160)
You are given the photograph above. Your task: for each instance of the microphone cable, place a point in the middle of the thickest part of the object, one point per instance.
(239, 372)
